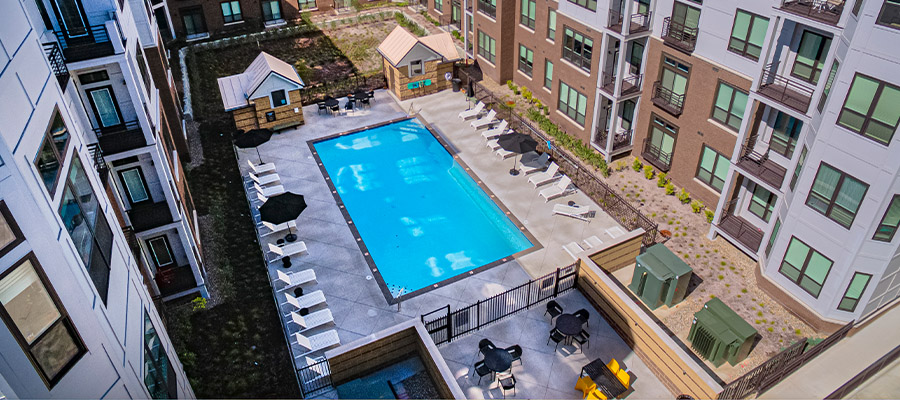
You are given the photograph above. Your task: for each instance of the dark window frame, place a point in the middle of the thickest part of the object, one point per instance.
(745, 40)
(832, 73)
(484, 51)
(13, 226)
(548, 81)
(96, 111)
(712, 174)
(805, 265)
(804, 152)
(768, 207)
(792, 128)
(816, 68)
(565, 107)
(663, 125)
(265, 17)
(663, 65)
(868, 117)
(283, 94)
(523, 64)
(439, 6)
(88, 78)
(230, 3)
(832, 202)
(159, 377)
(304, 5)
(582, 58)
(884, 5)
(168, 246)
(775, 229)
(881, 224)
(586, 4)
(525, 19)
(861, 293)
(856, 6)
(488, 8)
(193, 12)
(60, 157)
(728, 112)
(140, 170)
(551, 30)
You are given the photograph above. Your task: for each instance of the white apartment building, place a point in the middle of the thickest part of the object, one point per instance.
(77, 319)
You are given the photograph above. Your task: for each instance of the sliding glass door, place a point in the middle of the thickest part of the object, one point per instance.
(106, 110)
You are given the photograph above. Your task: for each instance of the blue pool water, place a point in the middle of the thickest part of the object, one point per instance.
(419, 213)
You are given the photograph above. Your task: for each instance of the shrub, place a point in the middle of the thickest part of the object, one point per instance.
(684, 197)
(670, 189)
(546, 110)
(709, 216)
(661, 180)
(696, 206)
(648, 172)
(526, 94)
(538, 104)
(457, 35)
(581, 150)
(510, 85)
(636, 165)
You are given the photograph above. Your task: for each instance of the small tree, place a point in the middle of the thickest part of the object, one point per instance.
(637, 165)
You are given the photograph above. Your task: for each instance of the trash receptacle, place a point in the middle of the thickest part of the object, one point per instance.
(457, 84)
(660, 277)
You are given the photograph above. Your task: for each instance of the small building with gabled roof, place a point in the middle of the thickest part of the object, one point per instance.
(416, 66)
(265, 95)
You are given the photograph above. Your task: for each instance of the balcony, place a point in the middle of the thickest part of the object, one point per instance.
(99, 162)
(487, 8)
(666, 99)
(57, 64)
(827, 11)
(127, 136)
(760, 166)
(86, 44)
(740, 229)
(679, 36)
(630, 85)
(638, 22)
(784, 90)
(175, 280)
(148, 216)
(655, 156)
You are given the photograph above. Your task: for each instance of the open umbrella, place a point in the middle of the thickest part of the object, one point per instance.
(253, 138)
(283, 208)
(517, 143)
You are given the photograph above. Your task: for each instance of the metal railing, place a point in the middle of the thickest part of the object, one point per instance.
(615, 19)
(784, 90)
(576, 58)
(622, 140)
(632, 84)
(487, 8)
(314, 377)
(666, 99)
(656, 156)
(679, 35)
(828, 11)
(444, 325)
(99, 162)
(57, 63)
(91, 35)
(738, 228)
(870, 371)
(127, 126)
(601, 137)
(642, 21)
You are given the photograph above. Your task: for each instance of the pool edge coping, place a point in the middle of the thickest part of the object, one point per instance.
(391, 300)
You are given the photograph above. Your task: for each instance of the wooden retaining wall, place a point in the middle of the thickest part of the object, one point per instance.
(620, 252)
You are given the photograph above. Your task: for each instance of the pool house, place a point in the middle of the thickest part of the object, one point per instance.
(266, 95)
(415, 66)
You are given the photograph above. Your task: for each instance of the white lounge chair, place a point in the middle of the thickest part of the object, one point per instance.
(261, 169)
(312, 320)
(492, 144)
(573, 249)
(295, 279)
(269, 191)
(496, 131)
(485, 120)
(264, 180)
(273, 229)
(305, 301)
(545, 177)
(260, 199)
(593, 241)
(578, 212)
(472, 112)
(503, 153)
(318, 342)
(535, 164)
(559, 189)
(288, 249)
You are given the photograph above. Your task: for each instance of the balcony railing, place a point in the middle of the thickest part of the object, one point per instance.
(622, 140)
(760, 166)
(615, 20)
(827, 11)
(149, 216)
(784, 90)
(57, 64)
(124, 137)
(666, 99)
(656, 156)
(679, 36)
(740, 229)
(630, 84)
(487, 8)
(99, 162)
(640, 22)
(174, 280)
(600, 138)
(85, 44)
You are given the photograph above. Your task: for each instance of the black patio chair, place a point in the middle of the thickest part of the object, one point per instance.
(556, 336)
(365, 101)
(481, 369)
(486, 344)
(554, 309)
(583, 315)
(371, 95)
(350, 105)
(516, 352)
(322, 107)
(508, 383)
(582, 339)
(336, 109)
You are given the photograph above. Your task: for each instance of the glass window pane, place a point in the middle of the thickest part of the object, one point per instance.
(796, 253)
(708, 160)
(723, 99)
(851, 194)
(741, 25)
(134, 184)
(83, 190)
(59, 133)
(160, 249)
(7, 236)
(739, 105)
(862, 91)
(888, 108)
(55, 350)
(28, 302)
(855, 290)
(48, 165)
(826, 181)
(105, 107)
(722, 167)
(818, 268)
(76, 225)
(758, 32)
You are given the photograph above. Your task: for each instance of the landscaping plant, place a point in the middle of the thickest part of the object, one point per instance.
(670, 189)
(709, 215)
(636, 165)
(696, 206)
(648, 172)
(684, 197)
(661, 180)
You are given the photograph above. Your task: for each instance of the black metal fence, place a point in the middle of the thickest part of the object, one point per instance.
(315, 377)
(444, 325)
(867, 373)
(314, 93)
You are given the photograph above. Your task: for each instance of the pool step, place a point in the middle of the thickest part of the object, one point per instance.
(398, 390)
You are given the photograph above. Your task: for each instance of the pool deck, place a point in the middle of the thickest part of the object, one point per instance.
(354, 297)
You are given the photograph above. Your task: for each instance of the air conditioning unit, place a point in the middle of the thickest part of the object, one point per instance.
(719, 334)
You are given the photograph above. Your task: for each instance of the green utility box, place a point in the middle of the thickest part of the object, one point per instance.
(719, 334)
(660, 277)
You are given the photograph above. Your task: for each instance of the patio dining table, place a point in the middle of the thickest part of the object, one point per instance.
(569, 325)
(331, 102)
(360, 94)
(605, 379)
(497, 359)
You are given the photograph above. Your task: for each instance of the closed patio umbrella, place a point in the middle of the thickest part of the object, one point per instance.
(517, 143)
(283, 208)
(252, 138)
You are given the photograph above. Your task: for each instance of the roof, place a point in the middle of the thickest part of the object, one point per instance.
(237, 89)
(662, 263)
(400, 42)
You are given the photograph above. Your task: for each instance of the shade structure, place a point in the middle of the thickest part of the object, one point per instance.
(282, 208)
(517, 143)
(252, 138)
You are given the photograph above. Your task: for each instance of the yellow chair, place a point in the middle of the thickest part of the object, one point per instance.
(596, 394)
(623, 377)
(613, 366)
(585, 385)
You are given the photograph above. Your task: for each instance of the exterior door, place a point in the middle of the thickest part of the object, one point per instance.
(71, 18)
(161, 251)
(106, 109)
(135, 185)
(675, 82)
(686, 15)
(194, 24)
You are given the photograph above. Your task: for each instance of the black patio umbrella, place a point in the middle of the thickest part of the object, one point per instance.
(517, 143)
(253, 138)
(282, 208)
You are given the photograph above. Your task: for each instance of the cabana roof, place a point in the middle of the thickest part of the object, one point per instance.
(236, 90)
(400, 42)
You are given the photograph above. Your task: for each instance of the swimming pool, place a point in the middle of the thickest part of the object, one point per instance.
(421, 217)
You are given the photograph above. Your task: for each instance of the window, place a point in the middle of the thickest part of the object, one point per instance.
(548, 74)
(773, 236)
(577, 49)
(762, 203)
(156, 363)
(439, 6)
(306, 4)
(105, 107)
(856, 6)
(729, 106)
(486, 46)
(854, 291)
(810, 56)
(661, 142)
(836, 195)
(10, 235)
(872, 109)
(143, 71)
(231, 11)
(831, 74)
(87, 226)
(93, 77)
(32, 312)
(637, 57)
(161, 251)
(572, 103)
(785, 134)
(527, 17)
(589, 4)
(526, 60)
(194, 24)
(551, 24)
(686, 16)
(415, 68)
(271, 10)
(799, 167)
(889, 222)
(135, 185)
(805, 266)
(488, 7)
(627, 114)
(673, 80)
(52, 152)
(748, 34)
(279, 98)
(713, 168)
(890, 14)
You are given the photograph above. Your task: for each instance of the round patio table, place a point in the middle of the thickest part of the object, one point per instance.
(497, 360)
(569, 324)
(331, 102)
(360, 94)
